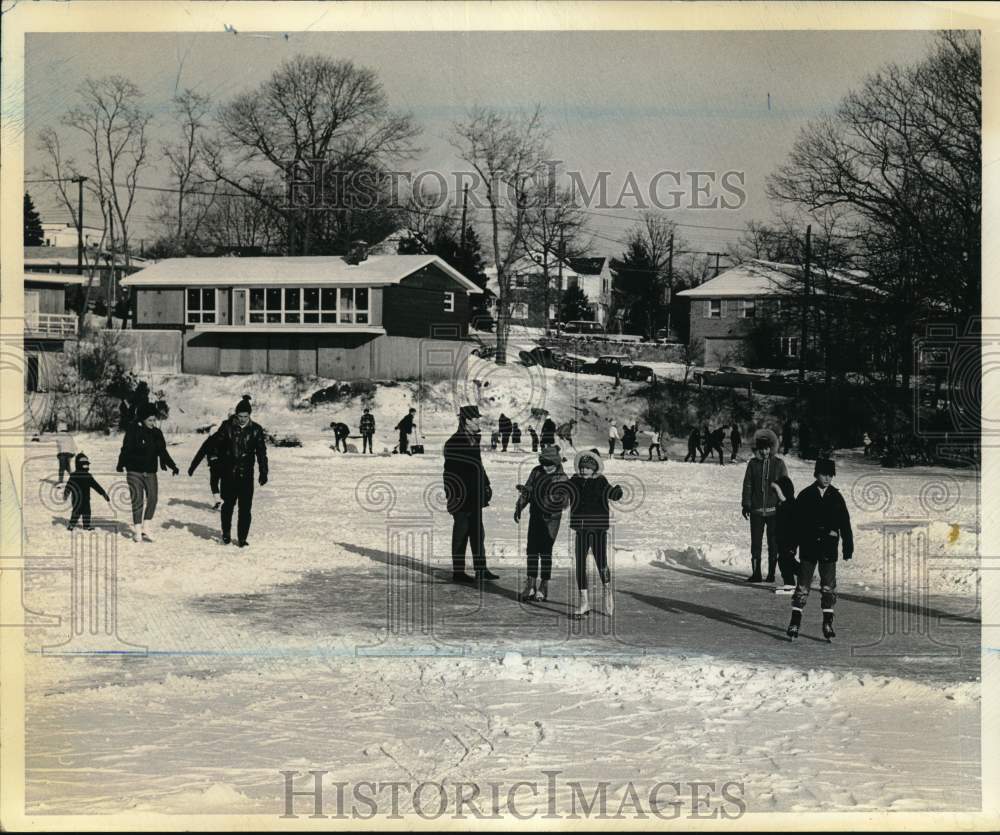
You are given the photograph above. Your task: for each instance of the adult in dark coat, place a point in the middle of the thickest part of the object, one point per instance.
(208, 450)
(143, 452)
(240, 442)
(694, 445)
(467, 491)
(548, 432)
(405, 427)
(367, 429)
(546, 492)
(823, 523)
(714, 444)
(504, 425)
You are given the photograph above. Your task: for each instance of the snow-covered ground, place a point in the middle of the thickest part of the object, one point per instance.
(335, 642)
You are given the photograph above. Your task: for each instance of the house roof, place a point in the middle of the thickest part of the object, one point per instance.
(768, 278)
(51, 256)
(588, 266)
(54, 278)
(374, 271)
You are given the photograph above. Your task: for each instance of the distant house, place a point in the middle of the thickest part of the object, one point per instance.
(343, 317)
(48, 328)
(527, 288)
(725, 309)
(596, 278)
(65, 234)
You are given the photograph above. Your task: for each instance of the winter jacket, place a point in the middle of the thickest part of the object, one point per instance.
(548, 432)
(612, 432)
(466, 485)
(367, 425)
(590, 500)
(515, 434)
(207, 449)
(694, 439)
(65, 443)
(546, 495)
(405, 426)
(504, 425)
(758, 495)
(341, 430)
(79, 486)
(716, 439)
(238, 447)
(822, 521)
(784, 516)
(143, 448)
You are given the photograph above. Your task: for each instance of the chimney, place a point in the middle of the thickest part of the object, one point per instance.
(357, 252)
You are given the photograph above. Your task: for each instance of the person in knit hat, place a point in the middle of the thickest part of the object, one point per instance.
(78, 488)
(546, 494)
(590, 515)
(143, 448)
(239, 442)
(824, 523)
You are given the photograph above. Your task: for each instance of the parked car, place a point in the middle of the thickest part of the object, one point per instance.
(619, 365)
(583, 327)
(727, 375)
(541, 355)
(573, 363)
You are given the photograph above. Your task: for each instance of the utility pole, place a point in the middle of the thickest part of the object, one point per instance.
(111, 272)
(670, 282)
(717, 254)
(79, 223)
(559, 289)
(465, 208)
(805, 307)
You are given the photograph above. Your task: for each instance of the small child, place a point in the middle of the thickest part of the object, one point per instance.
(822, 521)
(79, 485)
(208, 450)
(654, 443)
(66, 445)
(494, 439)
(590, 515)
(546, 493)
(784, 517)
(534, 438)
(515, 435)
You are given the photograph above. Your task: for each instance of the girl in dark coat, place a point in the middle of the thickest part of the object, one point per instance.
(546, 493)
(143, 448)
(590, 517)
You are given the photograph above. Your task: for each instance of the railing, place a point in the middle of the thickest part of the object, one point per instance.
(51, 324)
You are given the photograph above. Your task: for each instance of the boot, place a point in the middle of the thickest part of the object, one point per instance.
(609, 600)
(584, 608)
(793, 627)
(462, 578)
(771, 565)
(485, 574)
(543, 590)
(828, 632)
(755, 577)
(529, 592)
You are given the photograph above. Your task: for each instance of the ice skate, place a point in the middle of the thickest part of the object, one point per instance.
(793, 627)
(216, 506)
(583, 610)
(485, 574)
(828, 632)
(608, 602)
(785, 589)
(755, 576)
(543, 590)
(146, 537)
(528, 593)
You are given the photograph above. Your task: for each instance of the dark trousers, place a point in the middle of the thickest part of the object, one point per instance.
(827, 584)
(214, 478)
(540, 544)
(709, 450)
(237, 489)
(504, 440)
(759, 525)
(611, 446)
(338, 440)
(657, 448)
(64, 461)
(403, 443)
(366, 443)
(736, 449)
(693, 451)
(596, 541)
(534, 444)
(81, 510)
(788, 566)
(467, 532)
(142, 487)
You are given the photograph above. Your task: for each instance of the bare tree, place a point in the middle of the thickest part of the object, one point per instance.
(328, 117)
(506, 152)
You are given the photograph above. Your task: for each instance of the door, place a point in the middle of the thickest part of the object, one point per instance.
(239, 306)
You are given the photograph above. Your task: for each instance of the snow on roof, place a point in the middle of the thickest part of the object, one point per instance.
(374, 271)
(768, 278)
(54, 278)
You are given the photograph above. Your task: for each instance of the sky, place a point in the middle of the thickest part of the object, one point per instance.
(640, 102)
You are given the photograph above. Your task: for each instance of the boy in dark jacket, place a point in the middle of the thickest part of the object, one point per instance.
(405, 427)
(786, 534)
(590, 517)
(546, 493)
(78, 488)
(367, 429)
(240, 442)
(822, 521)
(208, 450)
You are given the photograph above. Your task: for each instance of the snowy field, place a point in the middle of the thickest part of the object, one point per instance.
(335, 642)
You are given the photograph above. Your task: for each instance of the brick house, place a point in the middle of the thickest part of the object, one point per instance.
(384, 316)
(725, 310)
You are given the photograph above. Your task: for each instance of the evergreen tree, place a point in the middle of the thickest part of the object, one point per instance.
(33, 233)
(574, 304)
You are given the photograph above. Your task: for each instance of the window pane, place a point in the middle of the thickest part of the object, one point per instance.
(311, 298)
(193, 318)
(208, 318)
(329, 300)
(346, 317)
(208, 299)
(292, 297)
(194, 300)
(273, 299)
(347, 298)
(329, 318)
(273, 318)
(361, 318)
(292, 318)
(257, 298)
(310, 318)
(256, 318)
(361, 298)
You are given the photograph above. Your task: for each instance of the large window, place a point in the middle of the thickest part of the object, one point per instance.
(309, 306)
(200, 306)
(748, 308)
(714, 308)
(789, 346)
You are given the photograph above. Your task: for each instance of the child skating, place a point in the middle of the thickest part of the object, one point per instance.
(822, 522)
(546, 493)
(590, 497)
(78, 488)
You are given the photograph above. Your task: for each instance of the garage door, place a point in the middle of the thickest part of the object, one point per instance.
(723, 352)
